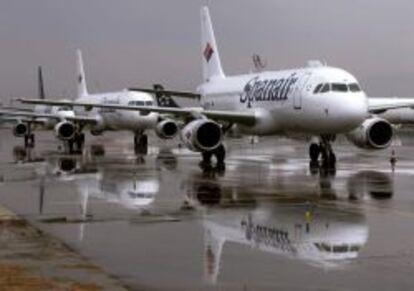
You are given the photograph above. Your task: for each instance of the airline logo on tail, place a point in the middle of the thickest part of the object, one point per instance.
(80, 79)
(208, 52)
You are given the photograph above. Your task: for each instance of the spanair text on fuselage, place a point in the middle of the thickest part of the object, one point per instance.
(111, 119)
(285, 101)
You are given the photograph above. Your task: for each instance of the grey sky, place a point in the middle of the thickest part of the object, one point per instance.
(128, 42)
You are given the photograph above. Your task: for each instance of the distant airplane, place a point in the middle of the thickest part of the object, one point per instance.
(98, 119)
(316, 102)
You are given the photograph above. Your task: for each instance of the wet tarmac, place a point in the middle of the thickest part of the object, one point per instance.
(268, 221)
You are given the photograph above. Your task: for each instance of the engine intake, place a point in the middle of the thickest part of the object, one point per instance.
(373, 133)
(202, 135)
(20, 129)
(65, 130)
(166, 129)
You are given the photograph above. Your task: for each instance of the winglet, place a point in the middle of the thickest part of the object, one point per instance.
(82, 89)
(210, 55)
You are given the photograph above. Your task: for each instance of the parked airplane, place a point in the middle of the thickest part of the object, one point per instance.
(318, 102)
(106, 119)
(26, 120)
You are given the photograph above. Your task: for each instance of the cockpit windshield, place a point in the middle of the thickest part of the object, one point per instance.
(336, 87)
(343, 248)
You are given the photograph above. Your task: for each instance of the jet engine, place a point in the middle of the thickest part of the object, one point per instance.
(166, 129)
(202, 135)
(20, 129)
(373, 133)
(65, 130)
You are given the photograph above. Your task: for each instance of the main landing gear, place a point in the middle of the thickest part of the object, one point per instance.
(141, 143)
(324, 150)
(29, 137)
(76, 144)
(219, 153)
(29, 140)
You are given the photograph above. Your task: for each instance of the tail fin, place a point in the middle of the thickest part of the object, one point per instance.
(40, 84)
(211, 59)
(82, 89)
(163, 99)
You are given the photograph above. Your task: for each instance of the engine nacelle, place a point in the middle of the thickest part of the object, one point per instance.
(166, 129)
(202, 135)
(65, 130)
(99, 127)
(373, 133)
(20, 129)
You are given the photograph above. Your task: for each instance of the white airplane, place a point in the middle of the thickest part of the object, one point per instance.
(97, 119)
(317, 102)
(319, 237)
(25, 121)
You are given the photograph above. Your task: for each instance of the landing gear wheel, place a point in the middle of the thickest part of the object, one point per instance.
(70, 144)
(328, 159)
(141, 144)
(206, 160)
(79, 142)
(29, 140)
(314, 152)
(220, 154)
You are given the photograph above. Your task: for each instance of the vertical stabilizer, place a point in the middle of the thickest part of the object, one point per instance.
(163, 99)
(82, 90)
(210, 56)
(40, 84)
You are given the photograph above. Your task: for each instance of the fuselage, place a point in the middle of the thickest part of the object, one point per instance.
(314, 100)
(62, 112)
(111, 119)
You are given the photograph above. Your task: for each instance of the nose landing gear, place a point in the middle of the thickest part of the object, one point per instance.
(323, 150)
(141, 143)
(219, 153)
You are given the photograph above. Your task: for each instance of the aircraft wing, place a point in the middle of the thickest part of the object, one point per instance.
(245, 118)
(379, 105)
(16, 114)
(14, 119)
(83, 119)
(30, 116)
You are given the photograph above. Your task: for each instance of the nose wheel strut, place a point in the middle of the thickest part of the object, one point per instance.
(324, 150)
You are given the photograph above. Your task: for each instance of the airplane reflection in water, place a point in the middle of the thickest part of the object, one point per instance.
(113, 184)
(325, 235)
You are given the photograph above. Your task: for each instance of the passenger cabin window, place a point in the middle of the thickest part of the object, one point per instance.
(354, 87)
(64, 108)
(136, 103)
(339, 87)
(148, 103)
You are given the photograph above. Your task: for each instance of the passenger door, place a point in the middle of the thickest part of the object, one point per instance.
(299, 90)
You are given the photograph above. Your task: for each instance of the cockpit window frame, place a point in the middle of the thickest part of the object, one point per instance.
(325, 88)
(317, 88)
(354, 87)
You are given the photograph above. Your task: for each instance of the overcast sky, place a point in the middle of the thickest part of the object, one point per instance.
(137, 42)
